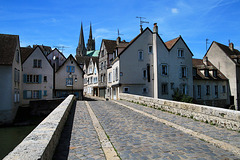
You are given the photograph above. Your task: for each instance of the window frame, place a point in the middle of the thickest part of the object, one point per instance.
(140, 55)
(164, 67)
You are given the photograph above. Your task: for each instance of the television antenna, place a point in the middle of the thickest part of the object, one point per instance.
(119, 33)
(141, 21)
(60, 47)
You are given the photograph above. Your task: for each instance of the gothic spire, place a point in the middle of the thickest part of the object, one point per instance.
(91, 42)
(81, 50)
(90, 33)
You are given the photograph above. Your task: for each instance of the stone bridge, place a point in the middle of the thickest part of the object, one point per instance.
(134, 127)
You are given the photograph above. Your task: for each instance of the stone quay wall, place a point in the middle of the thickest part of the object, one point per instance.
(40, 144)
(229, 119)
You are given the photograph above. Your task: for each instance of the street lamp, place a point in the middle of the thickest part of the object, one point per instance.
(72, 76)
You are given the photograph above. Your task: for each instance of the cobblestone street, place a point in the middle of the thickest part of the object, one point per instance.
(136, 136)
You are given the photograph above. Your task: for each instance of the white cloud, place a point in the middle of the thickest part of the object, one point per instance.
(174, 10)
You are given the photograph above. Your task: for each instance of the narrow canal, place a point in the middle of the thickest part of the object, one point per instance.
(10, 137)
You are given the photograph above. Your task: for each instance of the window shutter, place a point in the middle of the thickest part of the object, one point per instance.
(40, 94)
(24, 78)
(24, 94)
(45, 93)
(67, 68)
(73, 69)
(40, 78)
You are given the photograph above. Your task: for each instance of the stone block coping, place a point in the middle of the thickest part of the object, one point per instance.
(41, 142)
(229, 119)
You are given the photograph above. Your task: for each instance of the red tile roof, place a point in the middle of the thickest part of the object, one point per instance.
(171, 43)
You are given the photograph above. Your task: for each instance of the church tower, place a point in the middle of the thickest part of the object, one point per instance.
(81, 50)
(91, 42)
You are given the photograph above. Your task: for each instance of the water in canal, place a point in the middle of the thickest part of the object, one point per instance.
(10, 137)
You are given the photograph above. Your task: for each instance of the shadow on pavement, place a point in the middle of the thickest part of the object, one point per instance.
(62, 149)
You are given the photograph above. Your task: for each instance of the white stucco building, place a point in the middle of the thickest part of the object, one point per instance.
(69, 79)
(37, 75)
(10, 81)
(150, 67)
(226, 59)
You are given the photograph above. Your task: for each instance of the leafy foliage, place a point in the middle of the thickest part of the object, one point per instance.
(178, 96)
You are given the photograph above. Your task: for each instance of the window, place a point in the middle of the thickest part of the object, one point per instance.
(32, 78)
(199, 91)
(148, 72)
(102, 78)
(45, 78)
(215, 73)
(144, 73)
(95, 70)
(223, 89)
(105, 63)
(164, 69)
(126, 90)
(184, 89)
(95, 80)
(116, 73)
(69, 82)
(45, 93)
(194, 72)
(110, 77)
(70, 69)
(37, 63)
(90, 70)
(35, 94)
(17, 56)
(180, 53)
(207, 90)
(164, 88)
(102, 53)
(16, 96)
(183, 72)
(140, 55)
(150, 49)
(216, 91)
(102, 66)
(206, 73)
(28, 94)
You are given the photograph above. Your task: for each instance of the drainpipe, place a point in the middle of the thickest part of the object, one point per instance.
(155, 65)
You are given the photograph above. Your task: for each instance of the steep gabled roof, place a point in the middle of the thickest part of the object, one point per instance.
(199, 65)
(70, 56)
(8, 44)
(172, 42)
(25, 52)
(110, 45)
(58, 52)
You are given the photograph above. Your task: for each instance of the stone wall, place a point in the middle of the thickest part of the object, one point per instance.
(216, 116)
(42, 141)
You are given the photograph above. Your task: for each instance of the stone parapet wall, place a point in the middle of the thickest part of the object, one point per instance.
(41, 142)
(217, 116)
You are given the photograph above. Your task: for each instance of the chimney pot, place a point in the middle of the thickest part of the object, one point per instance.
(205, 60)
(155, 28)
(231, 46)
(118, 40)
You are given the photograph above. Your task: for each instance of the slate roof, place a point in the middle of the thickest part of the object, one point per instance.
(110, 45)
(25, 52)
(199, 65)
(93, 53)
(8, 44)
(44, 48)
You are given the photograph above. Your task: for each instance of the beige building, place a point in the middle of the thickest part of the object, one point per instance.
(150, 67)
(210, 86)
(91, 77)
(37, 74)
(56, 58)
(69, 79)
(226, 59)
(10, 81)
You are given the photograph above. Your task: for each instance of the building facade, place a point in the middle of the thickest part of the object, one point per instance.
(226, 59)
(69, 79)
(37, 75)
(10, 81)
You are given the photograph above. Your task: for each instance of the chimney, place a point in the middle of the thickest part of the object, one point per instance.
(118, 40)
(141, 29)
(155, 28)
(231, 46)
(205, 60)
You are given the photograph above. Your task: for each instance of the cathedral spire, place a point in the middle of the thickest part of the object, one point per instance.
(90, 33)
(91, 42)
(81, 50)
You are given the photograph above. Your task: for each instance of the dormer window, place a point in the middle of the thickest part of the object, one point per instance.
(215, 73)
(180, 53)
(206, 73)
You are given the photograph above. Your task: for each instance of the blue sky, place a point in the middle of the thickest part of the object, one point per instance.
(57, 23)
